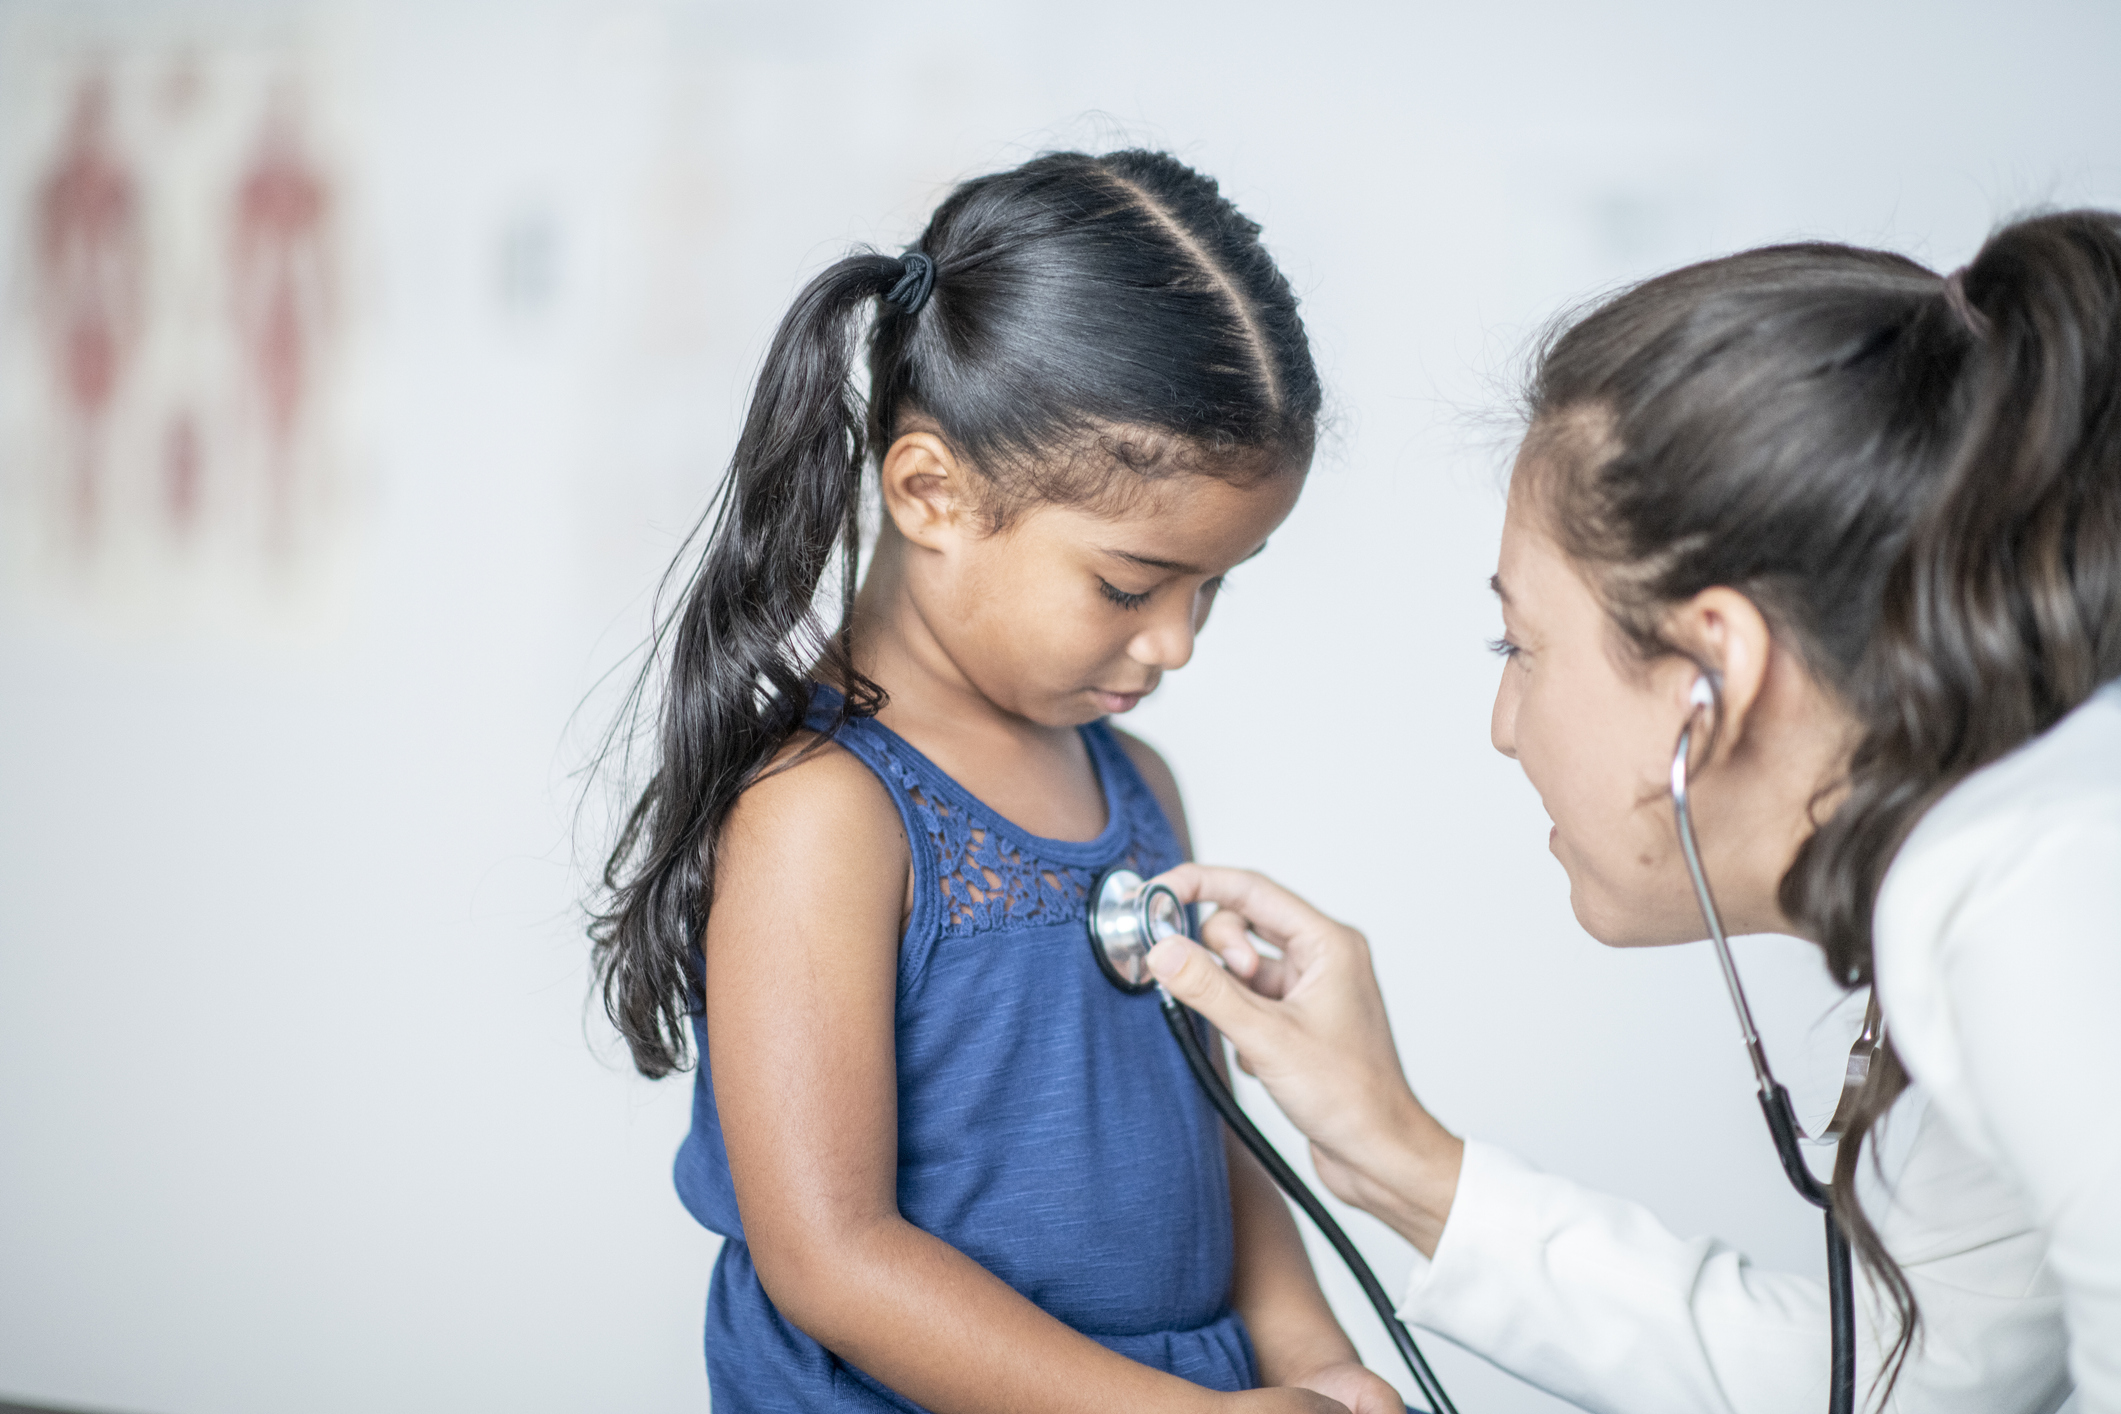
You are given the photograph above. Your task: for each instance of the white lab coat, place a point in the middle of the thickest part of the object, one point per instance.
(1998, 944)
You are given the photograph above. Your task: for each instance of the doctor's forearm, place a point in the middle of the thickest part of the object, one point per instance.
(1403, 1171)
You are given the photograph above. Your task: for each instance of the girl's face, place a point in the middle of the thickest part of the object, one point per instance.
(1068, 614)
(1593, 727)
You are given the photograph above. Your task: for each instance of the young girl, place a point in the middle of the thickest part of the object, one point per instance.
(957, 1169)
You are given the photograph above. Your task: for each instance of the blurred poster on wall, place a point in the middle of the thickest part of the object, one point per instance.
(177, 337)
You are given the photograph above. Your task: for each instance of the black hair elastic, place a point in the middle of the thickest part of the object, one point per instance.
(911, 291)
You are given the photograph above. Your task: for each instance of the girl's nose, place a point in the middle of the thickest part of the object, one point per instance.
(1166, 644)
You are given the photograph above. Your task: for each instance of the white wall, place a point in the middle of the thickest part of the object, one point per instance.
(300, 1106)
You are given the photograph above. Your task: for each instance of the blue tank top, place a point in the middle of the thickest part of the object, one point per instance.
(1047, 1125)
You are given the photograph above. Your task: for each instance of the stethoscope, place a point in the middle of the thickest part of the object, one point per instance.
(1774, 1099)
(1128, 917)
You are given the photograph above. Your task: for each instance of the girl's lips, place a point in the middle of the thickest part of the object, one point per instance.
(1116, 702)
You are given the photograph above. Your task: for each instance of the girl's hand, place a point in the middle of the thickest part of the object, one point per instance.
(1312, 1026)
(1287, 1401)
(1361, 1390)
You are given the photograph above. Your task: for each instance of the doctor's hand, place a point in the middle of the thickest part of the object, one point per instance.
(1311, 1025)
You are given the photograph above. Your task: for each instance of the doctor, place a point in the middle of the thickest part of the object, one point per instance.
(1880, 512)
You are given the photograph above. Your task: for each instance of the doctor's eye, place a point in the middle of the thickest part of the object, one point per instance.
(1121, 597)
(1502, 648)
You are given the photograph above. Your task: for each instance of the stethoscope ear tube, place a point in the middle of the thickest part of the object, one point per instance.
(1774, 1099)
(1840, 1276)
(1180, 1021)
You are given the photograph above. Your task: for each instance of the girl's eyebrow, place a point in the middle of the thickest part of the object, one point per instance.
(1172, 566)
(1495, 583)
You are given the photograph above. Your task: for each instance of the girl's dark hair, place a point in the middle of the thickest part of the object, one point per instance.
(1918, 481)
(1092, 322)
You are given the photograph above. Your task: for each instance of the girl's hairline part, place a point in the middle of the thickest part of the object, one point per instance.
(703, 673)
(1255, 336)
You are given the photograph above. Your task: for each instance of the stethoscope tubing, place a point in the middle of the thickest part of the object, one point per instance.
(1774, 1098)
(1180, 1020)
(1774, 1105)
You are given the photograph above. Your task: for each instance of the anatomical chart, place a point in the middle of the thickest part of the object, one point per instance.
(173, 375)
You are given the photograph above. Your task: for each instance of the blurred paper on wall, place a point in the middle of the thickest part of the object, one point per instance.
(176, 353)
(765, 148)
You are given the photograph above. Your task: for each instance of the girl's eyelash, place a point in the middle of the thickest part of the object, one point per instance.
(1502, 648)
(1121, 597)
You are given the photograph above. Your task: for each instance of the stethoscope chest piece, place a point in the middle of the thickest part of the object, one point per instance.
(1127, 918)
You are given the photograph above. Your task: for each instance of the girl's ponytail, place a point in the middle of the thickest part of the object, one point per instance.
(745, 647)
(1099, 322)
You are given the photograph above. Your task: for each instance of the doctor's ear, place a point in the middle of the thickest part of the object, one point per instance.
(1725, 644)
(931, 494)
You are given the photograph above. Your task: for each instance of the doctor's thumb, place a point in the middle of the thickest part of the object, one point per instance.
(1189, 972)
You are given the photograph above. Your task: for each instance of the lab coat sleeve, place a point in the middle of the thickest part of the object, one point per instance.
(1591, 1298)
(2032, 978)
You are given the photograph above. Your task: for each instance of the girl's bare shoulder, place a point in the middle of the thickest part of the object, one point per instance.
(815, 818)
(1162, 784)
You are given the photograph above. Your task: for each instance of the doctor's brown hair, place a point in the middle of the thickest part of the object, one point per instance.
(1917, 480)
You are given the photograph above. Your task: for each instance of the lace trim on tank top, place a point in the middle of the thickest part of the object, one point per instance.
(991, 881)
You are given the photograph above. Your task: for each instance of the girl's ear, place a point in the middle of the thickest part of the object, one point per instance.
(1725, 631)
(928, 491)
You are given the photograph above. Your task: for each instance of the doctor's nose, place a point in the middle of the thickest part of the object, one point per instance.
(1502, 725)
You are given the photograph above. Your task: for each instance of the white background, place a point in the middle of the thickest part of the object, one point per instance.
(301, 1107)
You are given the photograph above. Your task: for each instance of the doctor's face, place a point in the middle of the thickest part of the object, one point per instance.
(1591, 724)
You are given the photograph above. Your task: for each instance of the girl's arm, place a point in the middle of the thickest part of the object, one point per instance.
(801, 971)
(1294, 1332)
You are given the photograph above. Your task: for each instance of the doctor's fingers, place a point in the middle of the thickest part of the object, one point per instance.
(1189, 973)
(1228, 935)
(1273, 912)
(1314, 1059)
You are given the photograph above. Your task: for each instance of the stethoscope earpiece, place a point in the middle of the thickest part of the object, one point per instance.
(1774, 1098)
